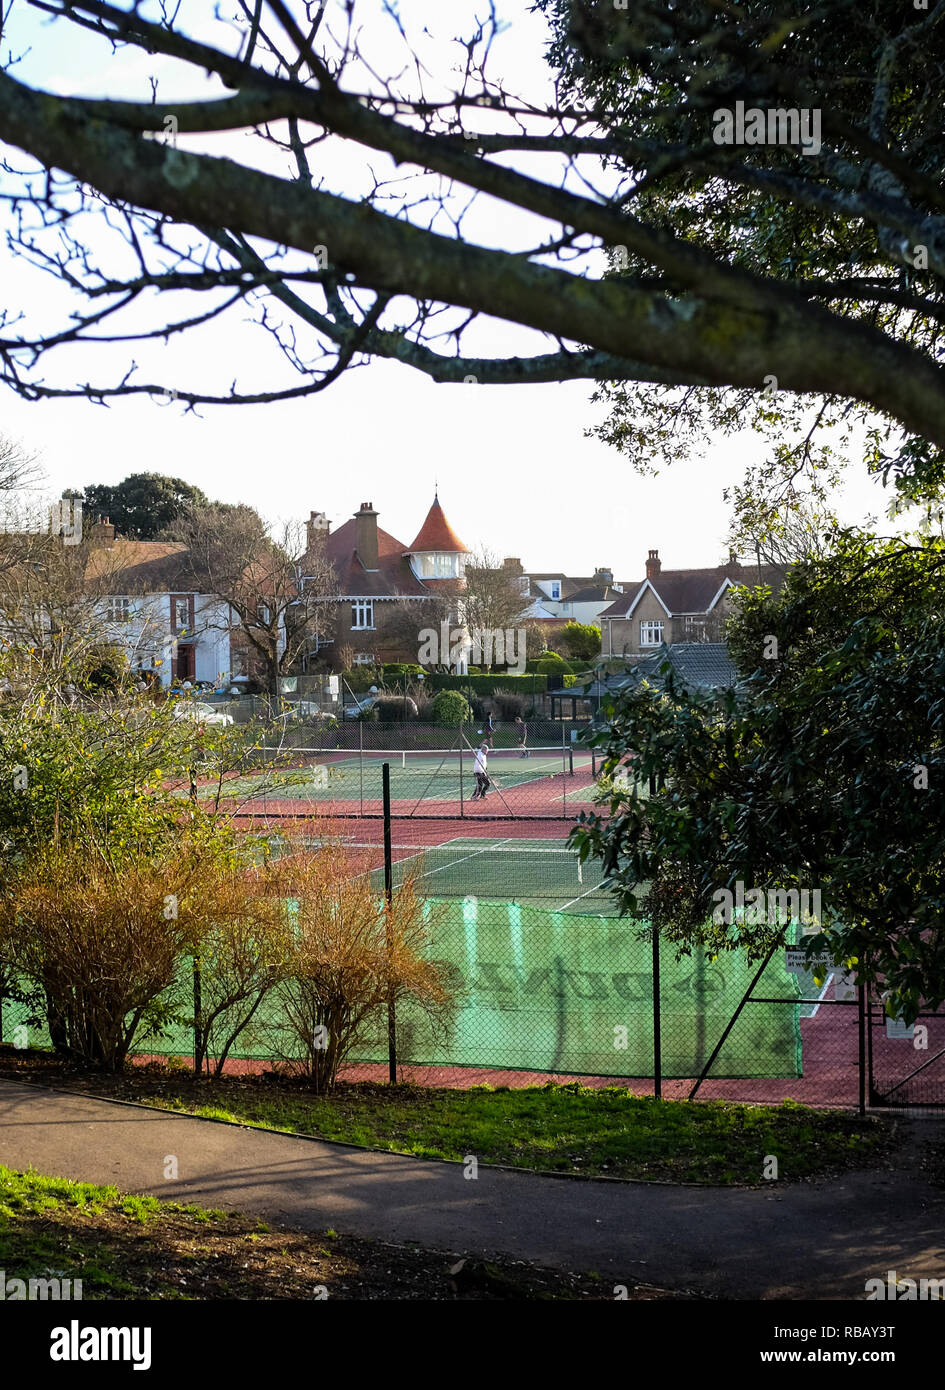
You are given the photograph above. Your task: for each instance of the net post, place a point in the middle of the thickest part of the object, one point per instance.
(388, 905)
(361, 765)
(657, 1033)
(462, 740)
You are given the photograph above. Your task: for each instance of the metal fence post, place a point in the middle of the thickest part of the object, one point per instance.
(462, 741)
(200, 1041)
(657, 1033)
(389, 896)
(861, 1043)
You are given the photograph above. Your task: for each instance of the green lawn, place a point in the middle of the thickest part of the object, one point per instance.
(561, 1129)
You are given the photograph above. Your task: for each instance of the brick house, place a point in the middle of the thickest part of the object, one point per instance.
(388, 591)
(671, 606)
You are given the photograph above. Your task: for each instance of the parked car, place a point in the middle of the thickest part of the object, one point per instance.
(201, 712)
(307, 711)
(359, 707)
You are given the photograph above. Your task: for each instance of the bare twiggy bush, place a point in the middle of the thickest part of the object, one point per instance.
(95, 944)
(243, 948)
(353, 955)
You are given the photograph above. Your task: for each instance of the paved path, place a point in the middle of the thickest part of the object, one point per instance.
(817, 1241)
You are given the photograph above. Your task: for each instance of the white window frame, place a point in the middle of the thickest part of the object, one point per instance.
(364, 659)
(651, 632)
(118, 609)
(362, 615)
(555, 590)
(440, 565)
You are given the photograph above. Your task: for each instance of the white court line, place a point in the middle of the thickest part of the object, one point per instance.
(820, 996)
(595, 889)
(489, 844)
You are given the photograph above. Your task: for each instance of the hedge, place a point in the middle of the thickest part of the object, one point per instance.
(487, 685)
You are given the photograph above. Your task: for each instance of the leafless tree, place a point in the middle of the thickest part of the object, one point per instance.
(57, 614)
(409, 617)
(280, 591)
(494, 599)
(734, 267)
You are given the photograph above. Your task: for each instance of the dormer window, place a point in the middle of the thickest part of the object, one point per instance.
(440, 565)
(556, 588)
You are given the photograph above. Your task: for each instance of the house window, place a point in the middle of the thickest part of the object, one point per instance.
(556, 588)
(362, 613)
(364, 659)
(118, 610)
(264, 614)
(651, 633)
(695, 628)
(182, 613)
(440, 566)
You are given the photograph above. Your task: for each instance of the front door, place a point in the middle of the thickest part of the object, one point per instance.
(184, 663)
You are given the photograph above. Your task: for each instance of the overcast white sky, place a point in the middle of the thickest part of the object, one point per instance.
(514, 469)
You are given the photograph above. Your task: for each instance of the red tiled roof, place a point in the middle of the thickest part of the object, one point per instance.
(393, 574)
(436, 533)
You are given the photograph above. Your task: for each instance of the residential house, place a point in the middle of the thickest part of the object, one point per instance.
(558, 598)
(389, 591)
(153, 613)
(670, 606)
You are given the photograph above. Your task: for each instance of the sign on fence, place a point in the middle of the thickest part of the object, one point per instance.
(796, 962)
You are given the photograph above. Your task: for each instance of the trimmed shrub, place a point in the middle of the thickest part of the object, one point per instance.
(551, 664)
(389, 709)
(451, 708)
(530, 684)
(510, 704)
(361, 678)
(402, 668)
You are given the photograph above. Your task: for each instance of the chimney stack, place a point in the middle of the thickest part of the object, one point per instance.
(513, 563)
(653, 565)
(103, 532)
(317, 526)
(366, 535)
(604, 574)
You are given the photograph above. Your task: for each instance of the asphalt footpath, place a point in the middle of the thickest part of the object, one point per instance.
(819, 1240)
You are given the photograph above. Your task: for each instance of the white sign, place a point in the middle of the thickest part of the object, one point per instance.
(844, 986)
(796, 962)
(895, 1028)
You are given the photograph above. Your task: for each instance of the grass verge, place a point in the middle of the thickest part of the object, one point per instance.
(560, 1129)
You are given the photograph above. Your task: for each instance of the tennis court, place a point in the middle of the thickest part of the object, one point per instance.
(423, 782)
(539, 873)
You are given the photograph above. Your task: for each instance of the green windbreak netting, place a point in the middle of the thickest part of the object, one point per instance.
(550, 991)
(553, 992)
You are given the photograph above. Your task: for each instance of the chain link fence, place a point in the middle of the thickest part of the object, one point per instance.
(551, 984)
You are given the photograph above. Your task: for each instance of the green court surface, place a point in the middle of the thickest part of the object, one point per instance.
(539, 873)
(415, 777)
